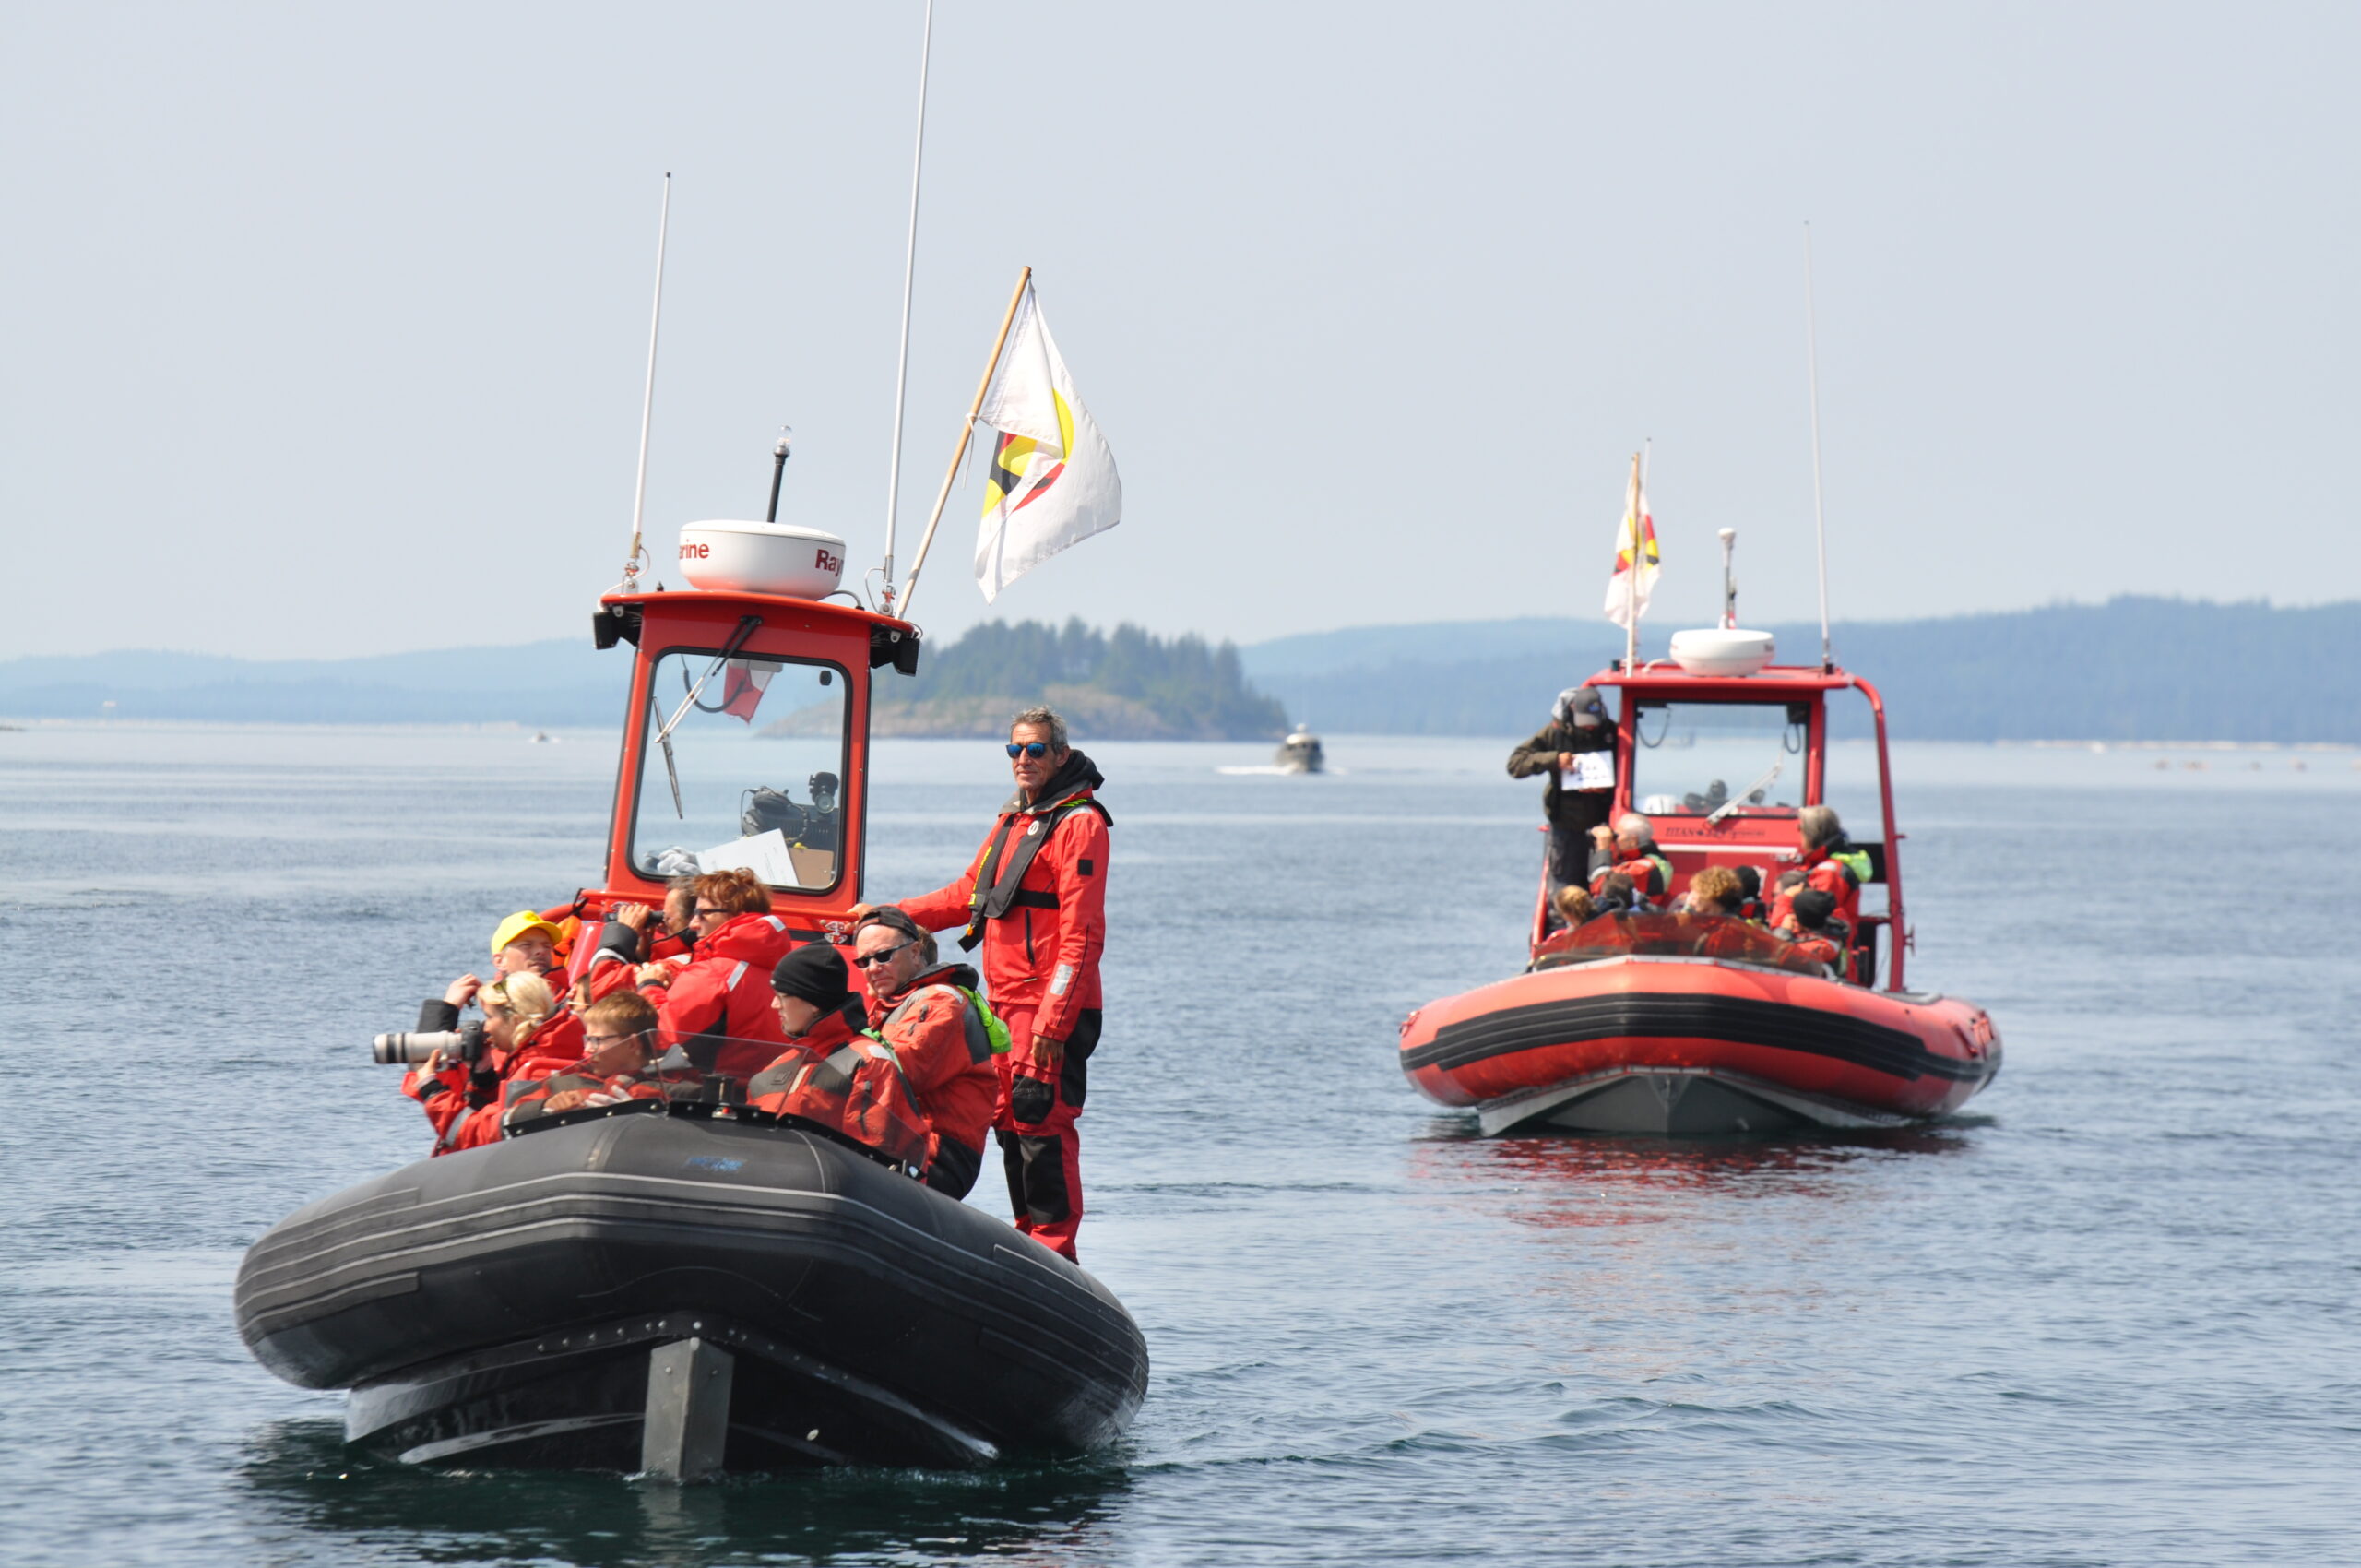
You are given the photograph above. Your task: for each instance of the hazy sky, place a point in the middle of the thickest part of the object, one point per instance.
(323, 326)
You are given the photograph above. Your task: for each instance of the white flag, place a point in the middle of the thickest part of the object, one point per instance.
(1627, 596)
(1051, 481)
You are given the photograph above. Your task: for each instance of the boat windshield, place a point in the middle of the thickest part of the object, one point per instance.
(1672, 936)
(749, 773)
(1697, 758)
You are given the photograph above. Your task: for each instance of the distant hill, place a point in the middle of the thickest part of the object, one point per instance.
(1127, 685)
(560, 682)
(2133, 669)
(2130, 669)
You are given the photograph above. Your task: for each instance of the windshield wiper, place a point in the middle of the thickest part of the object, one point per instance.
(746, 624)
(1750, 792)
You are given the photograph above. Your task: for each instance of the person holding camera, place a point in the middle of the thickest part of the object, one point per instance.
(517, 1012)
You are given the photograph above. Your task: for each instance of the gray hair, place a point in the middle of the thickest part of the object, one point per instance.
(1638, 827)
(894, 919)
(1817, 825)
(1042, 718)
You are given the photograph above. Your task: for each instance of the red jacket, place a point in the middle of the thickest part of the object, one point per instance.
(717, 1008)
(945, 1054)
(839, 1077)
(452, 1096)
(1041, 950)
(1835, 878)
(1650, 872)
(524, 1096)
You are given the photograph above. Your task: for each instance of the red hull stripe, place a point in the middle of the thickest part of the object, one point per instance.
(1673, 1016)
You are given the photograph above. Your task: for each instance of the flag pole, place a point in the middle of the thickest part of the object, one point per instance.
(1631, 572)
(966, 429)
(1818, 513)
(910, 272)
(648, 396)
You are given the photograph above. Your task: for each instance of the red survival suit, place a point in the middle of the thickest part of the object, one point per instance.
(454, 1093)
(840, 1077)
(1035, 896)
(621, 950)
(1650, 872)
(717, 1008)
(943, 1039)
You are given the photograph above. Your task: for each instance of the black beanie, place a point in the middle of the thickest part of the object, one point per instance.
(815, 972)
(1812, 907)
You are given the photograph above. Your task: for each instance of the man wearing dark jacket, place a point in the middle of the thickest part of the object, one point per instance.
(1577, 724)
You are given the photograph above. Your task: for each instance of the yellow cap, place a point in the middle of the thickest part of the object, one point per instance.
(522, 923)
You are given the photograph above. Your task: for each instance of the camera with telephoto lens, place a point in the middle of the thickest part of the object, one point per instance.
(464, 1044)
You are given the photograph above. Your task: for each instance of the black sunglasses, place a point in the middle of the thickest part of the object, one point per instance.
(865, 959)
(1034, 749)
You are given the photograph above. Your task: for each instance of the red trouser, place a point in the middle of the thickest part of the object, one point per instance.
(1043, 1158)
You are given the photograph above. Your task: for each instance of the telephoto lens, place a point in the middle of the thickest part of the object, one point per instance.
(464, 1044)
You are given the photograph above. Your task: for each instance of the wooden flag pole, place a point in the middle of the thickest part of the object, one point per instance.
(966, 429)
(1632, 573)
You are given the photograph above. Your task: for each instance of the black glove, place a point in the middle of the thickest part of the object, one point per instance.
(1032, 1099)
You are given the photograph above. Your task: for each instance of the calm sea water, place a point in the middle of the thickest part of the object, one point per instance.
(2109, 1317)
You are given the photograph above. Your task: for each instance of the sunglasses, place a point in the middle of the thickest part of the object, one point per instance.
(1033, 749)
(866, 959)
(708, 914)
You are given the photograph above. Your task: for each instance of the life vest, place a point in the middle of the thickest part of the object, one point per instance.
(858, 1090)
(999, 887)
(1641, 868)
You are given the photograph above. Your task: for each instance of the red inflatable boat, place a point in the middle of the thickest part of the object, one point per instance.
(1680, 1024)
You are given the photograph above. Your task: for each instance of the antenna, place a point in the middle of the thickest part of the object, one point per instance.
(1729, 580)
(778, 468)
(1819, 511)
(909, 271)
(647, 398)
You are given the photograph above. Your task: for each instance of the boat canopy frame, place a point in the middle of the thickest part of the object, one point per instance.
(1770, 835)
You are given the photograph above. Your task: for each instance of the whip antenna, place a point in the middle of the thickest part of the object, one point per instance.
(647, 398)
(1819, 511)
(909, 271)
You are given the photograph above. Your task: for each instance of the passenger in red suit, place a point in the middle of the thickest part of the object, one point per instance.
(617, 1063)
(1630, 848)
(942, 1034)
(634, 934)
(833, 1071)
(1036, 898)
(717, 1008)
(524, 1034)
(1814, 930)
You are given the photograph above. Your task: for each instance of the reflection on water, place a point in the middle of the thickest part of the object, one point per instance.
(304, 1478)
(1564, 1179)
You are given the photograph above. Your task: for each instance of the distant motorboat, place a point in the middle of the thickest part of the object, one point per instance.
(1301, 753)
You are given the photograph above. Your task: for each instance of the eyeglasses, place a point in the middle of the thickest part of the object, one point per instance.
(1033, 749)
(866, 959)
(708, 914)
(596, 1040)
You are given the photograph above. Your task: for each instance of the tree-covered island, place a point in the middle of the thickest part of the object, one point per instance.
(1127, 685)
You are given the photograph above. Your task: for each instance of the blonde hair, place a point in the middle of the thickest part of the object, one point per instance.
(526, 998)
(1574, 905)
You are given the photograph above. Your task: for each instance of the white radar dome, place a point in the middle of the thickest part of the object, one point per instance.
(1718, 650)
(723, 556)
